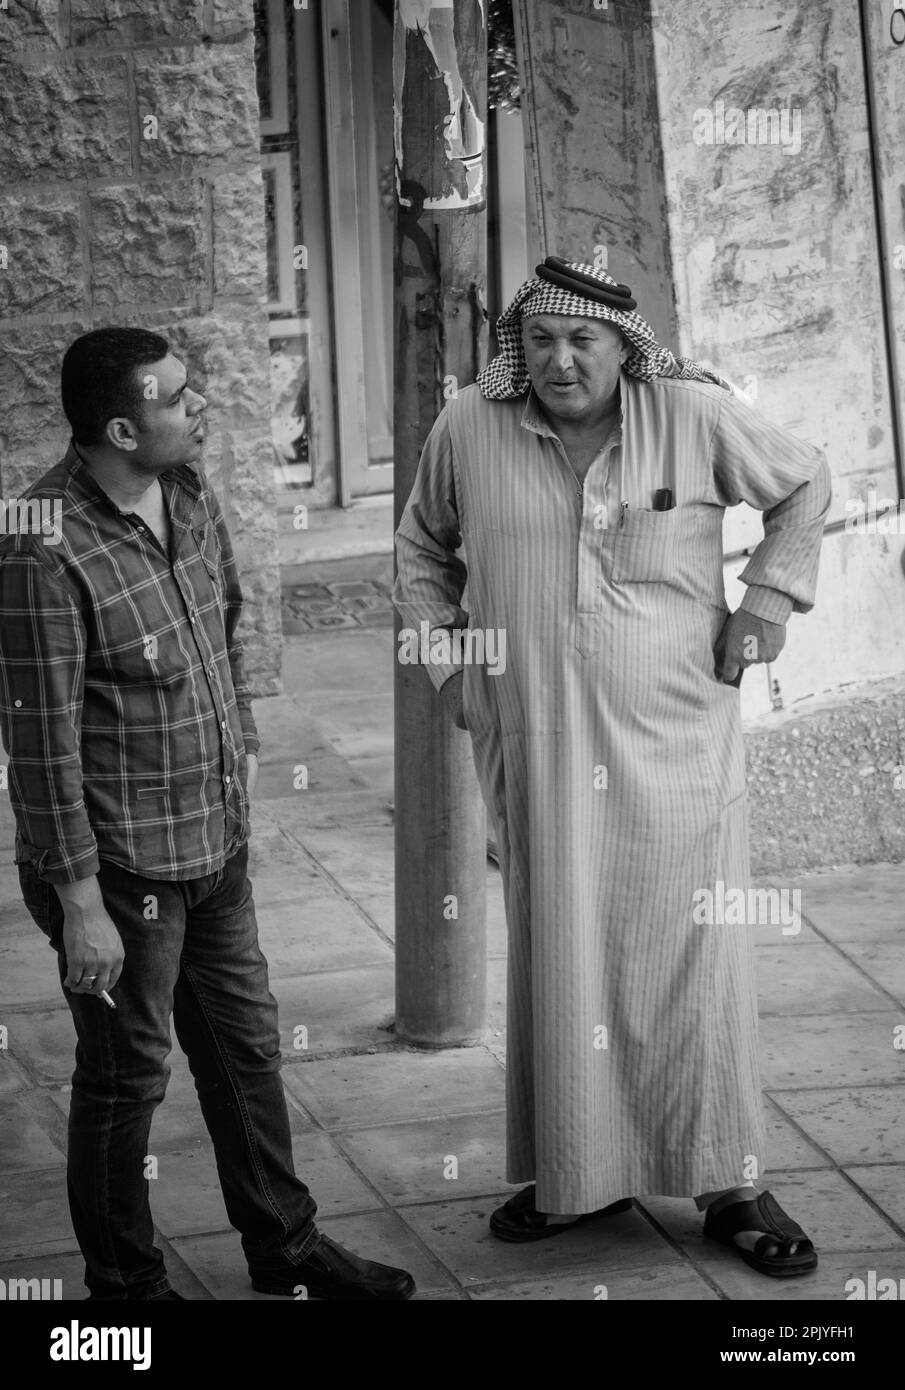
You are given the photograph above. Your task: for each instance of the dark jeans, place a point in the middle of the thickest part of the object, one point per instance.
(198, 960)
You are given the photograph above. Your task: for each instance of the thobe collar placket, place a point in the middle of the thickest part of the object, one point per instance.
(599, 512)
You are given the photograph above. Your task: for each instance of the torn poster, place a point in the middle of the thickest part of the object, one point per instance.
(439, 86)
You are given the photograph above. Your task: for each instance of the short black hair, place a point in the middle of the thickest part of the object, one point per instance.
(99, 378)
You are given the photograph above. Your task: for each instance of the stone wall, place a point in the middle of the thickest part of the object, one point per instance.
(132, 194)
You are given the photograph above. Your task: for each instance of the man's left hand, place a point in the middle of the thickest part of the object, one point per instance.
(745, 640)
(251, 777)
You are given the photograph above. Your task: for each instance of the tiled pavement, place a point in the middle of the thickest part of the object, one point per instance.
(332, 601)
(375, 1122)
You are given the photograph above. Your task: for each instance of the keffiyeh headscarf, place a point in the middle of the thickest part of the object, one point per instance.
(569, 287)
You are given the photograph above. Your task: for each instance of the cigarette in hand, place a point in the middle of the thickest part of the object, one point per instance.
(107, 1000)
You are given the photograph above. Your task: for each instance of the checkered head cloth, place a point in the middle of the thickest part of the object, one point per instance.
(569, 287)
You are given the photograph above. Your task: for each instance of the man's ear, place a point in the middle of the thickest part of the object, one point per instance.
(625, 350)
(121, 433)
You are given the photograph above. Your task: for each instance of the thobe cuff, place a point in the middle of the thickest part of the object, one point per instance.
(770, 604)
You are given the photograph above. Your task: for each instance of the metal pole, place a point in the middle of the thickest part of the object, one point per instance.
(439, 69)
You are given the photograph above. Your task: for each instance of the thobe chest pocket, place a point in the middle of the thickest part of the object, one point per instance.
(681, 548)
(645, 546)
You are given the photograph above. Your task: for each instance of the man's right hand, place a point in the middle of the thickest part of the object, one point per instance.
(92, 944)
(451, 695)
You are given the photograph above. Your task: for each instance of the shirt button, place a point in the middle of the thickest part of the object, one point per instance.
(227, 779)
(222, 723)
(18, 704)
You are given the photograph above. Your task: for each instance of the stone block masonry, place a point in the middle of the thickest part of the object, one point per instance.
(132, 193)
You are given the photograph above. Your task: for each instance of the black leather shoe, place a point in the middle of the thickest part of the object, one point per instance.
(328, 1271)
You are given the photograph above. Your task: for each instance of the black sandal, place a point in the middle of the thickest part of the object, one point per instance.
(765, 1214)
(519, 1220)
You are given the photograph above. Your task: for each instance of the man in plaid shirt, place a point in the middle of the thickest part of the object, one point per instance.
(126, 717)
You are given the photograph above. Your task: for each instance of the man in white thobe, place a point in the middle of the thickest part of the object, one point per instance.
(587, 472)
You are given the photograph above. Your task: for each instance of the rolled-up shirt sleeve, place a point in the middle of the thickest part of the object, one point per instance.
(787, 479)
(42, 669)
(430, 575)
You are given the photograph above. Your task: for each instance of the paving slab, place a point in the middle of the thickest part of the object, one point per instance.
(664, 1283)
(786, 1146)
(809, 979)
(884, 962)
(380, 908)
(271, 851)
(334, 664)
(454, 1156)
(376, 768)
(290, 739)
(288, 885)
(325, 810)
(830, 1050)
(43, 1041)
(218, 1265)
(320, 931)
(28, 971)
(24, 1144)
(340, 1008)
(35, 1211)
(368, 870)
(15, 919)
(864, 902)
(771, 934)
(459, 1234)
(398, 1086)
(884, 1184)
(68, 1268)
(186, 1197)
(861, 1124)
(12, 1077)
(360, 725)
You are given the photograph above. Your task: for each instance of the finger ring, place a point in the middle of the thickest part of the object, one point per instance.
(90, 979)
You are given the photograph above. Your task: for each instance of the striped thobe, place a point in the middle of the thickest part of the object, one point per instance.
(612, 762)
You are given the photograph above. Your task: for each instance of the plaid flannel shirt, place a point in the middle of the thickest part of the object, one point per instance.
(124, 708)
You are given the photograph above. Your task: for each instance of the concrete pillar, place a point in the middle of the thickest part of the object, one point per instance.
(440, 339)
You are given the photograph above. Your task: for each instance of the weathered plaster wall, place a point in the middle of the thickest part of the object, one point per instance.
(107, 219)
(777, 271)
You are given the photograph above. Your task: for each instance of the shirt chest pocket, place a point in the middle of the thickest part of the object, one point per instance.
(645, 546)
(208, 545)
